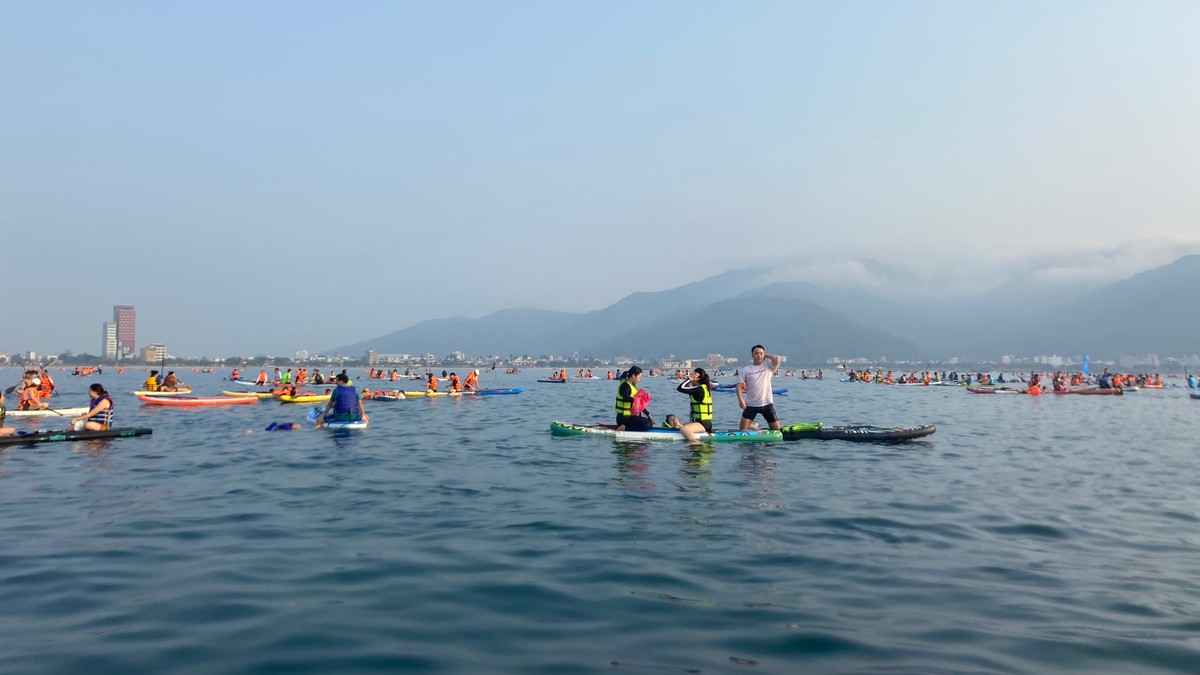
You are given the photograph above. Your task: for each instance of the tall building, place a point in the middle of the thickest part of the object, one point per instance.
(153, 353)
(108, 348)
(126, 320)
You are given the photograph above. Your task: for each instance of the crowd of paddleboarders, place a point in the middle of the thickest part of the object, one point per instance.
(343, 402)
(1031, 383)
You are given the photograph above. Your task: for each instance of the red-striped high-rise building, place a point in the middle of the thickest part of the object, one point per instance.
(126, 320)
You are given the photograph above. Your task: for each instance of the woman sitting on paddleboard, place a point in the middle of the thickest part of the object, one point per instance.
(699, 387)
(627, 392)
(99, 414)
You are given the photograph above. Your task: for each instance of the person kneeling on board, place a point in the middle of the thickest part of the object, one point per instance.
(631, 403)
(344, 403)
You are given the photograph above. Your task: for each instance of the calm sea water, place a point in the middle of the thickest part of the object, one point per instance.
(1029, 535)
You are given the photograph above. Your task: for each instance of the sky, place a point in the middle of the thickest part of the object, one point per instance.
(258, 178)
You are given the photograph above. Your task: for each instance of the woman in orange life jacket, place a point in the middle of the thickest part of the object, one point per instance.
(100, 411)
(455, 384)
(262, 378)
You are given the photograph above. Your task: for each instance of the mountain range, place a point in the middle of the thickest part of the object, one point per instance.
(729, 312)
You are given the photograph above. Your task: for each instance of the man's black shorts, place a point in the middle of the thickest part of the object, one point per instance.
(768, 413)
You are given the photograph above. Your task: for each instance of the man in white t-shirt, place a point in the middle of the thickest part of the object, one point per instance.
(755, 381)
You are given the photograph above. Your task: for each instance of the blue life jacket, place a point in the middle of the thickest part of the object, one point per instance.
(345, 403)
(105, 418)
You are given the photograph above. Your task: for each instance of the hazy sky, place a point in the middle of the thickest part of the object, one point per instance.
(265, 177)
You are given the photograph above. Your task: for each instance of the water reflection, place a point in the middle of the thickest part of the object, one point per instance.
(633, 465)
(697, 464)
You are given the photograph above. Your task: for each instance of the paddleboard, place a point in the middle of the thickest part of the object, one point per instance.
(198, 401)
(313, 398)
(52, 412)
(316, 412)
(181, 392)
(244, 394)
(50, 436)
(859, 433)
(668, 435)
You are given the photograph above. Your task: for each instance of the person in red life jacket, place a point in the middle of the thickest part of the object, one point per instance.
(46, 388)
(99, 416)
(262, 378)
(455, 383)
(29, 393)
(631, 403)
(1035, 382)
(235, 375)
(472, 383)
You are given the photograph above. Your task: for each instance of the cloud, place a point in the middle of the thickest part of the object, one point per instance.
(955, 276)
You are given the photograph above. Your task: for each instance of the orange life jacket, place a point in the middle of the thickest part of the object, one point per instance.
(433, 382)
(29, 397)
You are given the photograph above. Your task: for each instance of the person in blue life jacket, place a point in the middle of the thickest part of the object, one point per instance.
(99, 416)
(344, 404)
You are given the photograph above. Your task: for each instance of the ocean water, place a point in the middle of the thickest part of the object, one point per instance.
(1028, 535)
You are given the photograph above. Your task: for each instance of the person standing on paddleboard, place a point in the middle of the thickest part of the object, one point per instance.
(754, 389)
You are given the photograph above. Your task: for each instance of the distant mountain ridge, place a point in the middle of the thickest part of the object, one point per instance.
(728, 312)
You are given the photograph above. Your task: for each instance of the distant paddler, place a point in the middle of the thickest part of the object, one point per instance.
(262, 378)
(151, 383)
(28, 390)
(100, 411)
(46, 386)
(344, 404)
(1035, 385)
